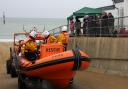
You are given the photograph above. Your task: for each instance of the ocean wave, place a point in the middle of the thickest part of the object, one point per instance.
(6, 40)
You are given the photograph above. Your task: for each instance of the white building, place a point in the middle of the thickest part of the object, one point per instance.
(118, 9)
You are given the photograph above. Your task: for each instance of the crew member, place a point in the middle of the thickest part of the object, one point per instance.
(63, 37)
(29, 47)
(48, 37)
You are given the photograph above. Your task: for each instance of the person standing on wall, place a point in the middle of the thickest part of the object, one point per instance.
(104, 24)
(77, 26)
(110, 23)
(72, 26)
(85, 24)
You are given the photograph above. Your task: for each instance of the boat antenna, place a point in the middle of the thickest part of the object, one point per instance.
(24, 29)
(44, 28)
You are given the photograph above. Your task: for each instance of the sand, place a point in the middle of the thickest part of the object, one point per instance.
(4, 53)
(83, 80)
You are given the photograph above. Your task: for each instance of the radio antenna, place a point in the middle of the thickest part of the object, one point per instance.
(44, 28)
(24, 29)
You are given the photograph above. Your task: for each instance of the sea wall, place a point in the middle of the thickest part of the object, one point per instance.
(108, 54)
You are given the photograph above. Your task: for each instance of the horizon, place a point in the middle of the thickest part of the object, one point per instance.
(46, 8)
(34, 17)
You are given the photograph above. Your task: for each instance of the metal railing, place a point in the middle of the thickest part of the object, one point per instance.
(98, 28)
(56, 31)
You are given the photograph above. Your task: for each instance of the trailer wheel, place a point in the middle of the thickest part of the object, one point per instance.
(46, 85)
(8, 66)
(13, 72)
(71, 81)
(21, 83)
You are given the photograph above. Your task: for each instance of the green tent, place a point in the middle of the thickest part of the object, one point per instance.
(68, 18)
(86, 11)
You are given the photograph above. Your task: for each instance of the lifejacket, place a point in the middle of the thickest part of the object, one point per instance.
(29, 46)
(50, 39)
(63, 38)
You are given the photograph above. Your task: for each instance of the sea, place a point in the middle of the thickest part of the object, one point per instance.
(13, 25)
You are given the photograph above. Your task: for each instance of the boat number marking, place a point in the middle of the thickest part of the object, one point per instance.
(52, 49)
(58, 55)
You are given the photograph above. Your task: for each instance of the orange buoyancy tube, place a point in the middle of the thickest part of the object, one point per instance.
(73, 57)
(55, 57)
(58, 68)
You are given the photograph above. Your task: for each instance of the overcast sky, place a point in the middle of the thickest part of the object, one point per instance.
(46, 8)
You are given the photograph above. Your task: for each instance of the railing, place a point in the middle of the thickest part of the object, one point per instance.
(56, 31)
(97, 28)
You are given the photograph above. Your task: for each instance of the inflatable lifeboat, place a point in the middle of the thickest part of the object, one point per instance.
(55, 65)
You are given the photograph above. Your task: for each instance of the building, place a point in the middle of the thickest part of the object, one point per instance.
(118, 9)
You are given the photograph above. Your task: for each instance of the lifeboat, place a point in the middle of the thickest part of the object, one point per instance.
(55, 65)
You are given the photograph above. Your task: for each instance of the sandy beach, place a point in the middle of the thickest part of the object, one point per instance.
(6, 82)
(83, 80)
(4, 53)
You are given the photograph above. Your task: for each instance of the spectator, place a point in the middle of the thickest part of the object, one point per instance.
(110, 23)
(104, 24)
(91, 26)
(94, 26)
(77, 26)
(97, 28)
(85, 20)
(72, 26)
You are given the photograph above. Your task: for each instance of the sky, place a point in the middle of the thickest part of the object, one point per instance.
(47, 8)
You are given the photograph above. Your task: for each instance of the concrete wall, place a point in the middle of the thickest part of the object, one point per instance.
(109, 55)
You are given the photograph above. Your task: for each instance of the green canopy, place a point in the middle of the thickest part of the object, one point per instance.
(86, 11)
(68, 18)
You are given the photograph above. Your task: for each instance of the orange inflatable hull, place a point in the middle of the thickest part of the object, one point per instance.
(58, 69)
